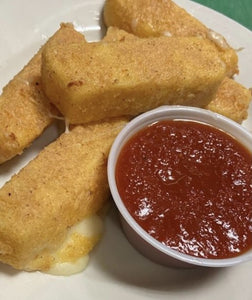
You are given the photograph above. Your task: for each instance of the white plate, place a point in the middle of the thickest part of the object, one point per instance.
(115, 270)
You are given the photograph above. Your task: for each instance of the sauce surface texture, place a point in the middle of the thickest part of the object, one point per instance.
(189, 185)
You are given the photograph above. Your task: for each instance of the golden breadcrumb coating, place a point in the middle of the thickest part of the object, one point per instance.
(231, 100)
(64, 184)
(147, 18)
(92, 81)
(24, 109)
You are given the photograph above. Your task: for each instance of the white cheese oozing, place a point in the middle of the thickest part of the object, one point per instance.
(91, 226)
(67, 130)
(67, 126)
(167, 33)
(134, 23)
(218, 39)
(69, 268)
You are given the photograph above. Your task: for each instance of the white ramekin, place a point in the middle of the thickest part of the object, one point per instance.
(137, 236)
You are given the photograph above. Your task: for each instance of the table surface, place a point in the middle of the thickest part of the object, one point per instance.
(238, 10)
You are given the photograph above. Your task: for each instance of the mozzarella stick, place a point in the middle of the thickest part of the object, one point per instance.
(24, 109)
(146, 18)
(231, 100)
(94, 81)
(43, 207)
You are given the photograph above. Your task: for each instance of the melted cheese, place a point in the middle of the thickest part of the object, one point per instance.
(90, 227)
(167, 33)
(218, 39)
(134, 23)
(67, 126)
(63, 119)
(69, 268)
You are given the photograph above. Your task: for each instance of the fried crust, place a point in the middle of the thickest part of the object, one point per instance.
(231, 100)
(148, 18)
(64, 184)
(25, 111)
(90, 82)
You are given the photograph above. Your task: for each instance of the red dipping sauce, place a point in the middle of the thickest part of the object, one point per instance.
(189, 185)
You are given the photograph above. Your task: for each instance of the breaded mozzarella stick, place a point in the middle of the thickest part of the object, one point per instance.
(94, 81)
(42, 207)
(148, 18)
(24, 109)
(231, 100)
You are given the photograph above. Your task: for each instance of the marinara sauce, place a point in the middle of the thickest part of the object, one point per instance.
(189, 185)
